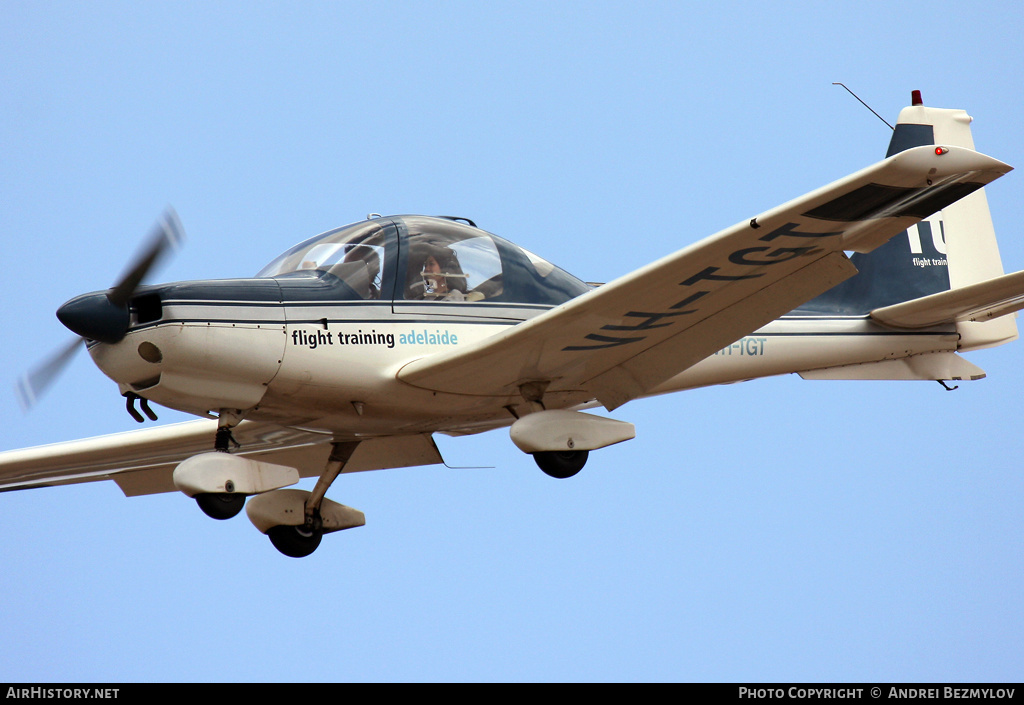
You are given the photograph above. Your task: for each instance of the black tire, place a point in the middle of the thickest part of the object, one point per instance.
(220, 505)
(295, 541)
(561, 464)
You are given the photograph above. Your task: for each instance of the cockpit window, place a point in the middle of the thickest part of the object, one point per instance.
(353, 254)
(446, 268)
(449, 261)
(419, 258)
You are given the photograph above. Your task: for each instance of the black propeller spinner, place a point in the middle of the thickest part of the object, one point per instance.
(102, 316)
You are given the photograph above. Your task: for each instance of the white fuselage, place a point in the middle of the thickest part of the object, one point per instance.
(332, 367)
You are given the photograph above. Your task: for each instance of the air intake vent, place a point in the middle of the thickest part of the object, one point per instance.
(147, 308)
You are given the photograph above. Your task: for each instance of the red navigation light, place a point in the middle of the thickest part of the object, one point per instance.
(915, 98)
(941, 150)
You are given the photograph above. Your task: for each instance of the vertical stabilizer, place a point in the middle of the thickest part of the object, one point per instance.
(970, 237)
(950, 249)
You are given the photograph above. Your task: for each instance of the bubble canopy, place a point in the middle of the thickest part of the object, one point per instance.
(421, 258)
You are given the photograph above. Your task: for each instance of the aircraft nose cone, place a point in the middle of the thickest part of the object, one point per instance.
(96, 317)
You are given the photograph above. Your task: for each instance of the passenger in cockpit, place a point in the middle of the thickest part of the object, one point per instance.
(359, 269)
(367, 255)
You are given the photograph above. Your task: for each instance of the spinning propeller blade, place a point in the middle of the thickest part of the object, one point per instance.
(167, 233)
(31, 385)
(101, 316)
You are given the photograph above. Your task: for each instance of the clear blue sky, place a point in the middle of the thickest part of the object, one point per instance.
(774, 530)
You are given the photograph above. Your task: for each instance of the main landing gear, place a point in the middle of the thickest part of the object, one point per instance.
(282, 516)
(294, 520)
(560, 441)
(295, 541)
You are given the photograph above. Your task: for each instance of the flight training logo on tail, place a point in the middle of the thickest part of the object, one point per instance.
(927, 241)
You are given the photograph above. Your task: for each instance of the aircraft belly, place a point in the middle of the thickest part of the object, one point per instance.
(788, 346)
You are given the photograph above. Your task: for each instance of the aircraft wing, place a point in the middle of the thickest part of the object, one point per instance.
(623, 339)
(142, 461)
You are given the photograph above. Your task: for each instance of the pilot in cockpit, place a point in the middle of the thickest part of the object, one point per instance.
(434, 274)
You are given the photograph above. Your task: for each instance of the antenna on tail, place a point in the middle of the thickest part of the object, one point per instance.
(917, 95)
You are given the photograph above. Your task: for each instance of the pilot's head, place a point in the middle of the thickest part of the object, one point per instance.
(434, 271)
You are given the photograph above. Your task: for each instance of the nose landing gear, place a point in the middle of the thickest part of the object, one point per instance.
(220, 505)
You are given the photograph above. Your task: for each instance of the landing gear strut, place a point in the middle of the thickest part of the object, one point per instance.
(216, 505)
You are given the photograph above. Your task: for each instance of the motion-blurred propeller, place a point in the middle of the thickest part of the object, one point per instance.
(102, 316)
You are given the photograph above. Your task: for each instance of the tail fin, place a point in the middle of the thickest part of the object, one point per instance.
(952, 248)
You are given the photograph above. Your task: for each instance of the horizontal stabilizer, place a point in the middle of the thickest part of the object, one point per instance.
(979, 302)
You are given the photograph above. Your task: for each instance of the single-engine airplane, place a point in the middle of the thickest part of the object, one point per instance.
(349, 350)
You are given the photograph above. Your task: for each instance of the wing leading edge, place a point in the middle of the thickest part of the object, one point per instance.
(142, 461)
(622, 340)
